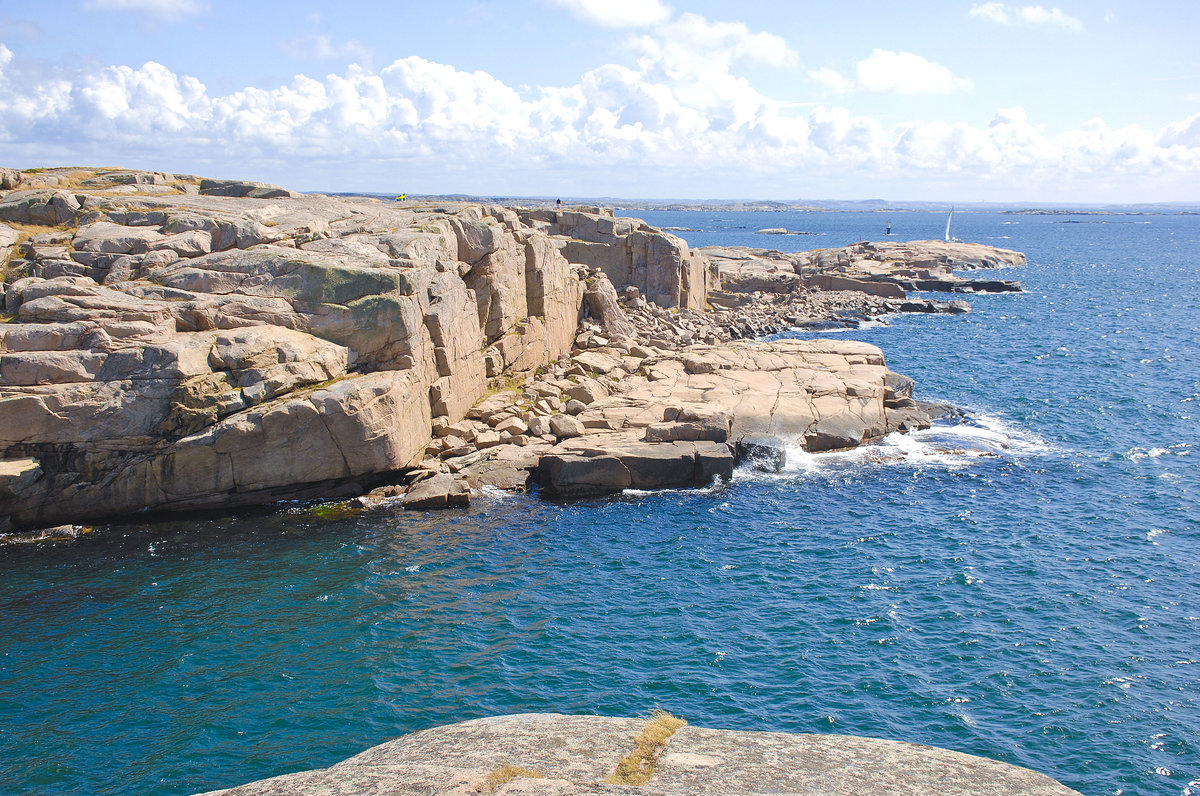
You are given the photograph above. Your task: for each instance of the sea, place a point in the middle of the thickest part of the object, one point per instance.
(1022, 585)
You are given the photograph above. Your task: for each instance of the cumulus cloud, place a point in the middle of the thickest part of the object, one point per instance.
(618, 13)
(1032, 16)
(887, 72)
(692, 41)
(668, 114)
(164, 9)
(1184, 134)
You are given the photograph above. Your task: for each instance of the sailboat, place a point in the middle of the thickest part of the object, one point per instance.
(888, 231)
(949, 218)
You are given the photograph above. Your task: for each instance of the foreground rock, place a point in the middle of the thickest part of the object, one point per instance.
(556, 754)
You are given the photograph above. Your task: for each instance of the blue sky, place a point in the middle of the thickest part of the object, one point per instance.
(1083, 102)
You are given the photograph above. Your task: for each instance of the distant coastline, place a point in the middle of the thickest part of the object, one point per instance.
(802, 205)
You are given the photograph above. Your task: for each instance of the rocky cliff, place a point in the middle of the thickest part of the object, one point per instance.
(556, 754)
(175, 343)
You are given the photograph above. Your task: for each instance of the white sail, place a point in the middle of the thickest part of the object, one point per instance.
(948, 219)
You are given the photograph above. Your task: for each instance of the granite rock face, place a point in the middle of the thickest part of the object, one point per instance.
(176, 343)
(674, 417)
(630, 252)
(557, 754)
(172, 343)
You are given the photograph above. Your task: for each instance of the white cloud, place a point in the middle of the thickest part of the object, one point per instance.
(322, 47)
(992, 12)
(618, 13)
(887, 72)
(832, 80)
(1185, 134)
(669, 116)
(693, 42)
(1032, 16)
(164, 9)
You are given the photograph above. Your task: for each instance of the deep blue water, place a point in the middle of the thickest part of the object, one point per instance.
(1026, 586)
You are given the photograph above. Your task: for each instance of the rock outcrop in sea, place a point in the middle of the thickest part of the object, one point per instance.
(764, 291)
(539, 753)
(170, 342)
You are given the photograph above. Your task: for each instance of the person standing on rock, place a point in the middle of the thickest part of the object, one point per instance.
(558, 204)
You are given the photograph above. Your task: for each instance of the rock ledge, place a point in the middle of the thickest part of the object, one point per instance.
(576, 754)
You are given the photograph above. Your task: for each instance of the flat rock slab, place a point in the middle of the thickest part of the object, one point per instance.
(632, 464)
(441, 491)
(883, 268)
(575, 754)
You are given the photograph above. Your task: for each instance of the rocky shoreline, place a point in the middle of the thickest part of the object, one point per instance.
(170, 343)
(540, 753)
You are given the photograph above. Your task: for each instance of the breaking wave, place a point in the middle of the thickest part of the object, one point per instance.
(975, 439)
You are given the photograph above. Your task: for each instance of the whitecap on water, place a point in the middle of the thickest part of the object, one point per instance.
(717, 485)
(945, 445)
(1137, 454)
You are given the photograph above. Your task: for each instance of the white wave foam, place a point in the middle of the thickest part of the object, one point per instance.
(717, 485)
(945, 446)
(1137, 454)
(496, 493)
(869, 323)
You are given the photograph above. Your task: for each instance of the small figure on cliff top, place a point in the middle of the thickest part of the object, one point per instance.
(558, 204)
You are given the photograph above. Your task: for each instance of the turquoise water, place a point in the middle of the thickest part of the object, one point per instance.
(1024, 586)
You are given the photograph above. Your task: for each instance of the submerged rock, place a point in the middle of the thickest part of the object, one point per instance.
(762, 452)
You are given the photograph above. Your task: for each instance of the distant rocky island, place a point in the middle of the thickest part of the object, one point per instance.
(813, 205)
(175, 343)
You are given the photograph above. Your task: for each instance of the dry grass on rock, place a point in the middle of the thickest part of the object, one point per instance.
(504, 775)
(637, 767)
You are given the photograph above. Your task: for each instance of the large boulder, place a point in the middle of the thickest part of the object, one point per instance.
(603, 305)
(610, 467)
(243, 188)
(441, 491)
